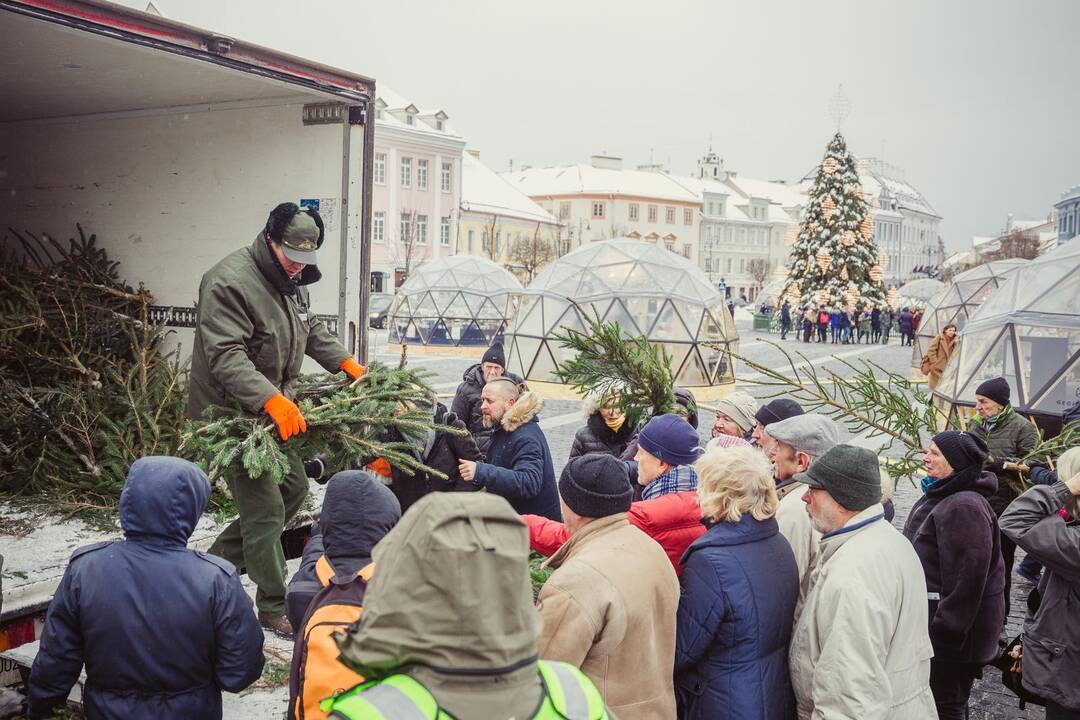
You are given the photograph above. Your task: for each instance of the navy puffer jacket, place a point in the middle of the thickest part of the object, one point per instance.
(162, 629)
(739, 589)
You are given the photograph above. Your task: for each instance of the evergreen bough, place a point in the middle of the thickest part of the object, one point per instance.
(387, 414)
(627, 370)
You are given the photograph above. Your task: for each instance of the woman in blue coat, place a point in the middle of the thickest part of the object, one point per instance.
(739, 589)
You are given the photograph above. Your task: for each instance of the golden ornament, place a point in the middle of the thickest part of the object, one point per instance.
(893, 297)
(866, 227)
(848, 238)
(877, 273)
(824, 259)
(830, 165)
(821, 297)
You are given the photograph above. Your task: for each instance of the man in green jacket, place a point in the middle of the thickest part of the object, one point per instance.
(1009, 436)
(253, 330)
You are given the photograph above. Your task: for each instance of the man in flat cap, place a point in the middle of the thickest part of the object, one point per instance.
(861, 644)
(792, 446)
(254, 327)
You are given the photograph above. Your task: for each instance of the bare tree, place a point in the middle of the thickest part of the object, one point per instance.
(531, 254)
(411, 247)
(1016, 245)
(490, 250)
(758, 269)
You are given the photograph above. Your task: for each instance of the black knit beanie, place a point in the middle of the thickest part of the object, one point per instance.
(961, 449)
(777, 410)
(495, 355)
(596, 485)
(997, 389)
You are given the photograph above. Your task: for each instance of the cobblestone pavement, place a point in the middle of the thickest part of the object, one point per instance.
(561, 419)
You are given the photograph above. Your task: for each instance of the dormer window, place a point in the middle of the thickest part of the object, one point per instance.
(439, 124)
(410, 120)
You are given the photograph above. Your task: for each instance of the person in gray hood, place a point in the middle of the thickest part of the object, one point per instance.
(449, 626)
(357, 511)
(1051, 643)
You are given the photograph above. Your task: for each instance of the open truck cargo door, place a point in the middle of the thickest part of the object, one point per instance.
(172, 144)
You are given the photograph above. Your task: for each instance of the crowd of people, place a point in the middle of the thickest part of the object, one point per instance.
(844, 326)
(759, 576)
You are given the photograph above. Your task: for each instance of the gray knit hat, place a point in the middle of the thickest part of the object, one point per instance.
(740, 407)
(850, 474)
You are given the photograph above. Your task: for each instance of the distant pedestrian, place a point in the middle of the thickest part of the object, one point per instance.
(875, 324)
(809, 322)
(785, 319)
(161, 629)
(888, 320)
(906, 325)
(834, 324)
(822, 325)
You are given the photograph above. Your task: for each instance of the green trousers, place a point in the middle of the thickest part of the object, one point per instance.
(253, 540)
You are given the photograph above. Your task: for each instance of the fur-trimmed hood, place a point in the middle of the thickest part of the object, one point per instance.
(527, 407)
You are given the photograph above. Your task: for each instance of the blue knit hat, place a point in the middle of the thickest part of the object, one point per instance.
(671, 439)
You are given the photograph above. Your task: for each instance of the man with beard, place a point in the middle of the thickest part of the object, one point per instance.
(518, 463)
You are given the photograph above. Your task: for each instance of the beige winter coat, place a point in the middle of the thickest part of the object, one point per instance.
(938, 354)
(795, 526)
(861, 649)
(609, 608)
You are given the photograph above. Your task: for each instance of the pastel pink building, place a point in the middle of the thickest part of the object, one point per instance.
(416, 192)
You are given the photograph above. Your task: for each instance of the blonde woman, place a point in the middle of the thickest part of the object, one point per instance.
(1051, 643)
(739, 589)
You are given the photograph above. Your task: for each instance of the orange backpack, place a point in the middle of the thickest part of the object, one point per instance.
(316, 672)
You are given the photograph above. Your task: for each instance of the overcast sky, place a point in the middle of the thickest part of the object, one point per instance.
(977, 101)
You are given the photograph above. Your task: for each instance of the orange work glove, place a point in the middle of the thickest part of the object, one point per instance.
(352, 367)
(380, 466)
(287, 416)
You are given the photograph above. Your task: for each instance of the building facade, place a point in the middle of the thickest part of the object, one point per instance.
(906, 226)
(1068, 215)
(499, 222)
(601, 200)
(416, 190)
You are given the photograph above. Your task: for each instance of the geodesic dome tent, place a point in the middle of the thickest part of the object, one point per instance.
(956, 303)
(643, 287)
(1027, 331)
(918, 293)
(457, 300)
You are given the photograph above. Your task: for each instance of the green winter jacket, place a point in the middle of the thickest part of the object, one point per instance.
(1009, 436)
(253, 330)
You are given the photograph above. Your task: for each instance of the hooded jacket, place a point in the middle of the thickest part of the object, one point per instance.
(357, 511)
(161, 629)
(739, 592)
(466, 403)
(253, 330)
(597, 437)
(1051, 633)
(672, 520)
(609, 608)
(860, 647)
(955, 534)
(451, 605)
(519, 466)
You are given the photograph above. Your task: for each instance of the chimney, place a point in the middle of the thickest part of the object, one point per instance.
(476, 154)
(606, 162)
(655, 167)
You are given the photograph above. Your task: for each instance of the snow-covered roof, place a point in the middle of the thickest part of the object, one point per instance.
(980, 240)
(589, 180)
(398, 103)
(1026, 224)
(1070, 194)
(485, 191)
(787, 196)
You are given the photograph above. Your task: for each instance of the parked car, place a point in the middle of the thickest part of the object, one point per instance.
(380, 308)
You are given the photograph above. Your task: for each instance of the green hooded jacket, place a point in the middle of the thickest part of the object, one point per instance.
(253, 330)
(451, 604)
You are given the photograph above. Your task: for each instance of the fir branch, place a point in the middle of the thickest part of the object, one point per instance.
(629, 371)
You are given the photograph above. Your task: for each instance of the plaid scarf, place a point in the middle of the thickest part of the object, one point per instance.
(678, 479)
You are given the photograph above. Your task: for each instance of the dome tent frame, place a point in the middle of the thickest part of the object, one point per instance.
(959, 300)
(461, 300)
(642, 287)
(1028, 332)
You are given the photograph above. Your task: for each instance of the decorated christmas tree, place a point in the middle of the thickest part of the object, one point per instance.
(834, 260)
